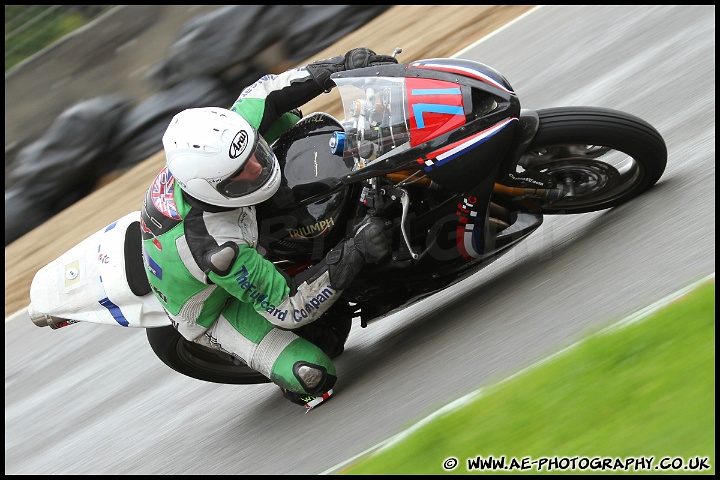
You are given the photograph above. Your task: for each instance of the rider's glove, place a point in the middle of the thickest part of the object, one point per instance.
(364, 57)
(368, 245)
(355, 58)
(370, 240)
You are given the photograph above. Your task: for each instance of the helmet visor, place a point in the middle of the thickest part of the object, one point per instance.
(253, 174)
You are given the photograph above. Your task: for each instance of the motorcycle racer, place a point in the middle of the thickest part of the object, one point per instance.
(200, 236)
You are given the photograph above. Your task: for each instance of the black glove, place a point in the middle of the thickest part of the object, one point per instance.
(364, 57)
(368, 245)
(370, 240)
(355, 58)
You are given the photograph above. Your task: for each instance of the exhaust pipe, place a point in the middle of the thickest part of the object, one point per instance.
(43, 320)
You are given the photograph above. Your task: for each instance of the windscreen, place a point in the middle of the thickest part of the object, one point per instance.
(376, 120)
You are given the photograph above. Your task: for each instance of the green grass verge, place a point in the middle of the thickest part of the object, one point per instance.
(30, 28)
(647, 390)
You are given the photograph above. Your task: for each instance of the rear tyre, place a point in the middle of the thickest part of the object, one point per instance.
(199, 362)
(203, 363)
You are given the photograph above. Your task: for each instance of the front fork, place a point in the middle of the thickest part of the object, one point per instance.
(530, 183)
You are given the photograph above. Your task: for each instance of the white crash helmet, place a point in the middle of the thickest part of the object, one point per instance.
(207, 150)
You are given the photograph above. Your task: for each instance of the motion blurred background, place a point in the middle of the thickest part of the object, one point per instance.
(89, 89)
(30, 28)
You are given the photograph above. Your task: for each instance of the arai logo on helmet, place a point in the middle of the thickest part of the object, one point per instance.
(239, 144)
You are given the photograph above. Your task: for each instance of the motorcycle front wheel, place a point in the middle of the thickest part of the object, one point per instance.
(600, 157)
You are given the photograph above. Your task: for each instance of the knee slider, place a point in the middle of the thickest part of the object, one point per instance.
(314, 378)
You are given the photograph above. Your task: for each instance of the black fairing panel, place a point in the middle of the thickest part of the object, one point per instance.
(286, 225)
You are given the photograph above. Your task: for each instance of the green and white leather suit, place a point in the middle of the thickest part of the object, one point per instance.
(204, 267)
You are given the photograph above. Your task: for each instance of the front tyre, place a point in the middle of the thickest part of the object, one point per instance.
(600, 157)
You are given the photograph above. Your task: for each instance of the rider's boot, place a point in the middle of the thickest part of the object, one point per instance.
(305, 399)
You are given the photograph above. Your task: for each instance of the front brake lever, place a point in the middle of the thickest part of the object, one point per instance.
(405, 202)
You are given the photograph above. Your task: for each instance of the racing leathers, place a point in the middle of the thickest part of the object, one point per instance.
(204, 265)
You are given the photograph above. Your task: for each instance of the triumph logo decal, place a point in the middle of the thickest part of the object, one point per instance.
(239, 144)
(311, 231)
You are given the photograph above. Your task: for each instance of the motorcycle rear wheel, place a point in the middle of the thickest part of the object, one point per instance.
(209, 365)
(199, 362)
(602, 157)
